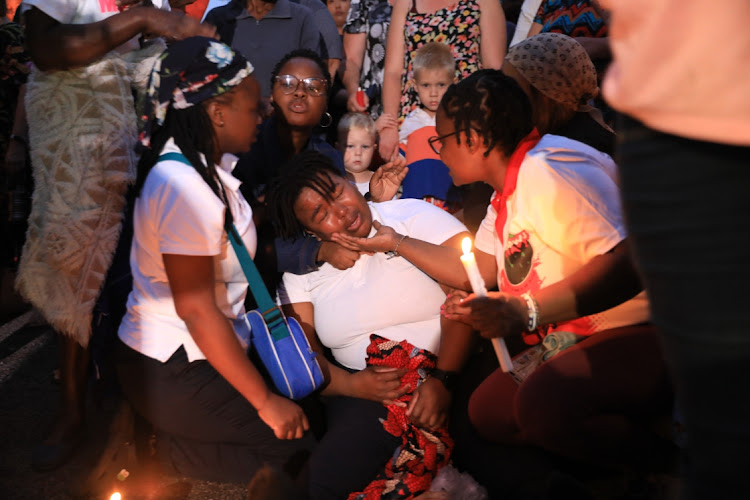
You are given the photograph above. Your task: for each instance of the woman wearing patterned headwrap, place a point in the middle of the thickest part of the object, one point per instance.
(180, 363)
(558, 76)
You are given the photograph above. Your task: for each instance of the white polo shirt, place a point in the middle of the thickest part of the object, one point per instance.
(177, 213)
(389, 297)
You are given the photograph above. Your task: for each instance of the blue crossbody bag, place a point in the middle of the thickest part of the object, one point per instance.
(279, 341)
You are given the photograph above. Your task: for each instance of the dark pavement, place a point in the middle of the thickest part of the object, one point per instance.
(28, 405)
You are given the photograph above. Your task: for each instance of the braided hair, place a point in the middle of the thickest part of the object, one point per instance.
(192, 131)
(309, 169)
(303, 54)
(493, 105)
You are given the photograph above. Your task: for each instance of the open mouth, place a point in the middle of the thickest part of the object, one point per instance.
(298, 106)
(354, 224)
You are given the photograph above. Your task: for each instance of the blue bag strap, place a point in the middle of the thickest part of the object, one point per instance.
(269, 310)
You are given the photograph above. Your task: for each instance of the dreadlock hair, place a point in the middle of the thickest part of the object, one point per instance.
(493, 105)
(304, 54)
(192, 131)
(309, 169)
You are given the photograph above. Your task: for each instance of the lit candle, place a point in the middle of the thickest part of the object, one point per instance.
(477, 285)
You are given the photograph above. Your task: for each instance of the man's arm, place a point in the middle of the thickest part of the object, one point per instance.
(56, 46)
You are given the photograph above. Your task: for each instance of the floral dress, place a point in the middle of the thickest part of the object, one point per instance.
(373, 18)
(456, 26)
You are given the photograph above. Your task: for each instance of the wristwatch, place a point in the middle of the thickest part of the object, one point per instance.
(448, 379)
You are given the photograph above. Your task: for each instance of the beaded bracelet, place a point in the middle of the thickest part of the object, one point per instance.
(533, 311)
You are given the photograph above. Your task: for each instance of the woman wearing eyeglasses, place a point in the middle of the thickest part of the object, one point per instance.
(300, 84)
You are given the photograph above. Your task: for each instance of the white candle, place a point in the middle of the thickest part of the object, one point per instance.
(477, 286)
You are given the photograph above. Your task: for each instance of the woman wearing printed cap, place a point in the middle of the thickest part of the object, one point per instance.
(180, 363)
(560, 80)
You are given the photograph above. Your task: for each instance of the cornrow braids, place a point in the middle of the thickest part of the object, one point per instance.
(304, 54)
(309, 169)
(493, 105)
(192, 131)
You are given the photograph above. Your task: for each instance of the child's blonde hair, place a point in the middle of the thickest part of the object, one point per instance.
(434, 56)
(356, 120)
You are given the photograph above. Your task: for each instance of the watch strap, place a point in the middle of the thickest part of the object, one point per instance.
(447, 378)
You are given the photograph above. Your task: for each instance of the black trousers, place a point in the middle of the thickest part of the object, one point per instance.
(205, 428)
(354, 449)
(687, 205)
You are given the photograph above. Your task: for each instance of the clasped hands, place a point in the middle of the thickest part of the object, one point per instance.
(429, 403)
(498, 314)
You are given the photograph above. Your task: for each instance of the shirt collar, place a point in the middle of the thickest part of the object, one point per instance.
(223, 169)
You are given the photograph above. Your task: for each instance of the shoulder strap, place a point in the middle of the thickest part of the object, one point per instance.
(266, 305)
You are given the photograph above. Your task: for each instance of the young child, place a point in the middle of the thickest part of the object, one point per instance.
(357, 139)
(428, 177)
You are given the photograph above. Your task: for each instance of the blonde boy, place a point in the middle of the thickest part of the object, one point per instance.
(357, 140)
(428, 177)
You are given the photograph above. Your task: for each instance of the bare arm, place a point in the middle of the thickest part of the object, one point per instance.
(191, 280)
(492, 27)
(604, 282)
(536, 28)
(354, 48)
(441, 262)
(53, 45)
(394, 58)
(393, 68)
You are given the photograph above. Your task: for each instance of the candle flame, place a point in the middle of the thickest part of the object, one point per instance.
(466, 245)
(116, 496)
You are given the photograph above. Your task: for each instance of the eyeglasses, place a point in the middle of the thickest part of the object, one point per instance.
(313, 86)
(435, 141)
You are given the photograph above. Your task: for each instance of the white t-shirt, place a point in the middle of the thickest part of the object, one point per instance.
(86, 12)
(529, 8)
(362, 187)
(564, 212)
(389, 297)
(177, 213)
(418, 118)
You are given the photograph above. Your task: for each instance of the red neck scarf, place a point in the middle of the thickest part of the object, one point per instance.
(500, 200)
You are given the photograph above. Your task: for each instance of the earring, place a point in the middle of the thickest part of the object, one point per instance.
(329, 122)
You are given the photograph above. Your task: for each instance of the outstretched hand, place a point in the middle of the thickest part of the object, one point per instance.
(384, 240)
(387, 179)
(497, 315)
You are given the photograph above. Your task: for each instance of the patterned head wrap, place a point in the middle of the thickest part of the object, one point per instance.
(558, 67)
(187, 73)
